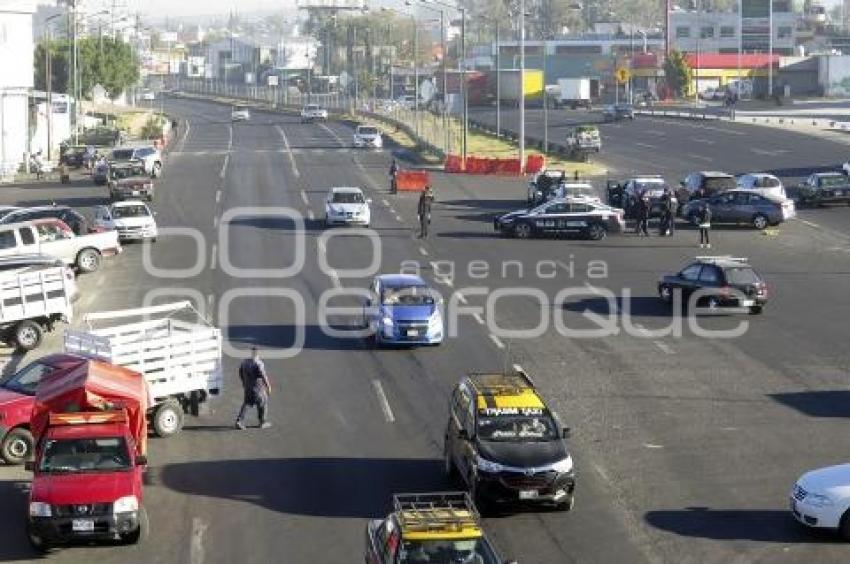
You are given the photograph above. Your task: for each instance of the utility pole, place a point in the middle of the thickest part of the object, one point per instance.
(415, 74)
(465, 87)
(498, 82)
(545, 105)
(521, 84)
(770, 49)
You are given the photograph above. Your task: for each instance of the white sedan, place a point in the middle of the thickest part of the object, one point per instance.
(240, 113)
(368, 136)
(821, 499)
(347, 205)
(132, 219)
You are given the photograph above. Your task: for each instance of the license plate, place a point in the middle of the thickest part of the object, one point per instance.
(82, 525)
(135, 192)
(413, 333)
(748, 303)
(528, 494)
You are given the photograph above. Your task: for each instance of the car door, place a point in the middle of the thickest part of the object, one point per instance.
(742, 209)
(464, 449)
(103, 219)
(576, 220)
(687, 279)
(710, 278)
(721, 207)
(53, 241)
(552, 218)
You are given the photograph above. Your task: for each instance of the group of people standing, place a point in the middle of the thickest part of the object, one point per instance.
(669, 206)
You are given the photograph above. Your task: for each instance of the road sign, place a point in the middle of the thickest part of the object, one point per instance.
(622, 75)
(272, 80)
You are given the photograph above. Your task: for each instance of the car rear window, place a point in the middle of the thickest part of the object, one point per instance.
(720, 184)
(833, 181)
(122, 154)
(742, 275)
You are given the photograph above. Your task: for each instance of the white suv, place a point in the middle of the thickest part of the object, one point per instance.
(312, 112)
(240, 113)
(821, 499)
(148, 155)
(132, 219)
(368, 136)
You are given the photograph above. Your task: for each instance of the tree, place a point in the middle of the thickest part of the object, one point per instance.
(677, 73)
(102, 60)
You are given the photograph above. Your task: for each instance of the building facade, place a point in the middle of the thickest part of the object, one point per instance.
(16, 81)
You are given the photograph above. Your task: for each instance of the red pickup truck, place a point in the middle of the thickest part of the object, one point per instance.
(17, 397)
(91, 435)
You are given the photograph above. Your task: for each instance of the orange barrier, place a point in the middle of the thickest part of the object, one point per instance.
(412, 180)
(454, 163)
(487, 165)
(535, 163)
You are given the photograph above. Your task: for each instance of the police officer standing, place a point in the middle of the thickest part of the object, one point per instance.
(642, 212)
(393, 172)
(256, 388)
(424, 211)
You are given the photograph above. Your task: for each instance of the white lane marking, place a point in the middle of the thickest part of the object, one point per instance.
(310, 215)
(185, 134)
(664, 347)
(224, 165)
(230, 140)
(647, 145)
(218, 196)
(518, 368)
(701, 140)
(478, 318)
(460, 297)
(423, 251)
(386, 203)
(215, 221)
(333, 134)
(382, 399)
(213, 255)
(210, 298)
(304, 198)
(497, 341)
(288, 151)
(399, 219)
(652, 445)
(322, 247)
(196, 546)
(641, 329)
(655, 132)
(810, 224)
(728, 429)
(699, 157)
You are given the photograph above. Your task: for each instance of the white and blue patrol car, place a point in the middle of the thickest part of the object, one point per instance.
(580, 216)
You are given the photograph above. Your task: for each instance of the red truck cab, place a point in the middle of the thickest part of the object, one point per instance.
(17, 397)
(90, 432)
(87, 481)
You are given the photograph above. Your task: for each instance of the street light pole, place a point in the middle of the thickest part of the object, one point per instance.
(498, 83)
(464, 85)
(415, 74)
(521, 83)
(545, 105)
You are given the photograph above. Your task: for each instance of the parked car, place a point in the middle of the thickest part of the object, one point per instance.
(582, 140)
(824, 188)
(763, 183)
(73, 156)
(703, 184)
(71, 217)
(653, 186)
(132, 219)
(149, 156)
(618, 112)
(129, 180)
(368, 136)
(820, 499)
(724, 282)
(402, 309)
(53, 237)
(348, 206)
(742, 207)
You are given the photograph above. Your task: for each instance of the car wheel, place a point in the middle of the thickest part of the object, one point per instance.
(168, 419)
(760, 222)
(88, 260)
(522, 230)
(596, 232)
(28, 335)
(844, 526)
(17, 446)
(38, 543)
(665, 292)
(568, 504)
(756, 310)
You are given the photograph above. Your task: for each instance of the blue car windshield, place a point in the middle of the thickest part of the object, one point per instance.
(408, 295)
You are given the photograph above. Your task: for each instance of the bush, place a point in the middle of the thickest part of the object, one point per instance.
(152, 128)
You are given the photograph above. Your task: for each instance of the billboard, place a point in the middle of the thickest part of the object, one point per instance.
(330, 4)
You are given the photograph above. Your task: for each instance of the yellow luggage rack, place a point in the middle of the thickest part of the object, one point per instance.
(501, 384)
(437, 513)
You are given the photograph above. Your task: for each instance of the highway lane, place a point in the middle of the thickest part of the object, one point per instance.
(656, 433)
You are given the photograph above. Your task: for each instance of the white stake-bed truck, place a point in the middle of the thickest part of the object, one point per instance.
(32, 302)
(180, 360)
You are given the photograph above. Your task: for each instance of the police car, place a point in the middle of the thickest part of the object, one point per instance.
(563, 216)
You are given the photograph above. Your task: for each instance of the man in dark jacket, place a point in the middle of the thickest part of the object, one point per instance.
(704, 217)
(424, 211)
(256, 388)
(393, 172)
(642, 214)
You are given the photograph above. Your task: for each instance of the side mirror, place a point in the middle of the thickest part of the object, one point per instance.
(463, 435)
(141, 460)
(29, 466)
(566, 432)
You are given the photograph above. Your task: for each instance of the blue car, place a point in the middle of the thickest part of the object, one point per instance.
(402, 309)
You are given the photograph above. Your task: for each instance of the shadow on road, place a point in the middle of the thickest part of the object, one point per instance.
(824, 403)
(761, 525)
(320, 487)
(285, 336)
(641, 306)
(13, 538)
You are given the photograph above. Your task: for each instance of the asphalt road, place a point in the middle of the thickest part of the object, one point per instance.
(685, 446)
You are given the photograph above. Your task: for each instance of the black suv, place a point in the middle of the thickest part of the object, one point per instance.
(723, 282)
(505, 445)
(702, 184)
